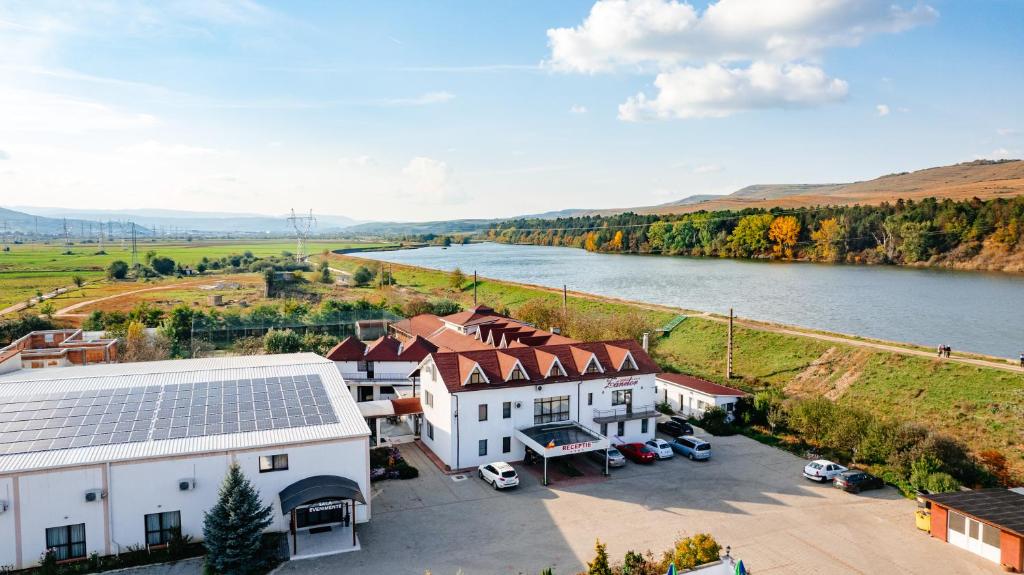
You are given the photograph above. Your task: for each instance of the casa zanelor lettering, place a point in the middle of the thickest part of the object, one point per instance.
(622, 382)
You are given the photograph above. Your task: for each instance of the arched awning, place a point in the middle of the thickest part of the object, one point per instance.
(318, 488)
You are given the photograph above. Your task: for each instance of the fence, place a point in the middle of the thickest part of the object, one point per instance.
(222, 332)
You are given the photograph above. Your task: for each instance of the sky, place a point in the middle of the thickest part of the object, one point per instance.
(418, 111)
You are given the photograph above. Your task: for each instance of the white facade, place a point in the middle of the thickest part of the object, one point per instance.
(47, 489)
(692, 402)
(452, 426)
(365, 380)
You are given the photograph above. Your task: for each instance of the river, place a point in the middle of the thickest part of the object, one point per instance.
(969, 311)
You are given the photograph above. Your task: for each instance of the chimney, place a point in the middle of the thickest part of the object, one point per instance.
(645, 341)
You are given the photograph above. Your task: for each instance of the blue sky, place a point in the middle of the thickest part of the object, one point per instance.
(417, 111)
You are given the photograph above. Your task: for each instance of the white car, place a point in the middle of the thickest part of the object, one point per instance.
(499, 474)
(822, 470)
(661, 448)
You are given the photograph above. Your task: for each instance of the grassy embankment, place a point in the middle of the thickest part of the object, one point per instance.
(44, 267)
(983, 407)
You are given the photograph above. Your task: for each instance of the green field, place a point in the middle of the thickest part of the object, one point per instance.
(983, 407)
(44, 267)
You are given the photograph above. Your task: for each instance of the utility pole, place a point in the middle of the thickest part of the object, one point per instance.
(728, 357)
(67, 238)
(565, 305)
(135, 248)
(474, 288)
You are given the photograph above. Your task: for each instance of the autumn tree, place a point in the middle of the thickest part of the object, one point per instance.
(750, 237)
(457, 279)
(616, 243)
(694, 551)
(828, 240)
(590, 244)
(784, 231)
(599, 566)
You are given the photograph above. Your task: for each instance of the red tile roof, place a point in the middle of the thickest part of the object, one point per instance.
(350, 349)
(384, 348)
(455, 367)
(472, 315)
(698, 384)
(422, 325)
(416, 349)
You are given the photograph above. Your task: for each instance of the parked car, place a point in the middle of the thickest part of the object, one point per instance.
(499, 474)
(822, 470)
(855, 481)
(637, 452)
(660, 447)
(693, 447)
(675, 426)
(615, 457)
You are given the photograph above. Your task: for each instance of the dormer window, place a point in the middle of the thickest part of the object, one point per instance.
(556, 370)
(628, 364)
(592, 366)
(517, 374)
(476, 377)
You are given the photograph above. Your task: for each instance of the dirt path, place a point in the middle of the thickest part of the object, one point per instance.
(68, 311)
(36, 300)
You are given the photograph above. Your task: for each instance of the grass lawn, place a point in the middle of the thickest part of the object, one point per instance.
(44, 267)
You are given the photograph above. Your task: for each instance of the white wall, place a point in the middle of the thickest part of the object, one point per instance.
(135, 489)
(441, 415)
(684, 400)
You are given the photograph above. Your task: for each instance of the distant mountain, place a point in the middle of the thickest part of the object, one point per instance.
(190, 221)
(20, 223)
(418, 228)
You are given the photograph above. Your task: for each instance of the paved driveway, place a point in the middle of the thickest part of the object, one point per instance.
(749, 496)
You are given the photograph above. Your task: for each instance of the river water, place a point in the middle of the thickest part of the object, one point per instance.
(969, 311)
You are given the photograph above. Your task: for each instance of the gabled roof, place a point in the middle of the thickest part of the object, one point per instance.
(698, 384)
(546, 361)
(473, 315)
(507, 363)
(416, 349)
(350, 349)
(384, 348)
(422, 325)
(618, 355)
(455, 367)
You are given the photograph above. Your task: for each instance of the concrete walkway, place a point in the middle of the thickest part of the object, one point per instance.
(184, 567)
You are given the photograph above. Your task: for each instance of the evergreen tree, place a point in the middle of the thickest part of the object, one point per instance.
(233, 528)
(599, 566)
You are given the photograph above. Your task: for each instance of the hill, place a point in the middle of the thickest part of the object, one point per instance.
(17, 223)
(197, 221)
(982, 178)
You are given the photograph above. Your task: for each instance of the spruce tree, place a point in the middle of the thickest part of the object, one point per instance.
(599, 566)
(233, 528)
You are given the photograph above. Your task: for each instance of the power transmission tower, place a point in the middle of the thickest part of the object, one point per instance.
(101, 235)
(302, 224)
(135, 248)
(67, 237)
(5, 240)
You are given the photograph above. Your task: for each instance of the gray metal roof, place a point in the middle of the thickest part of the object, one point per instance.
(79, 415)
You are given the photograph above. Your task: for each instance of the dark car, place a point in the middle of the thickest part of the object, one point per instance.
(675, 426)
(637, 452)
(855, 481)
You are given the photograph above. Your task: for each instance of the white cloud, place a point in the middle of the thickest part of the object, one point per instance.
(716, 91)
(668, 32)
(4, 155)
(421, 100)
(429, 181)
(1007, 131)
(1001, 154)
(882, 110)
(576, 109)
(707, 169)
(362, 160)
(29, 111)
(734, 55)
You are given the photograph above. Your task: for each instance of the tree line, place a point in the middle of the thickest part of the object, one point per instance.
(901, 232)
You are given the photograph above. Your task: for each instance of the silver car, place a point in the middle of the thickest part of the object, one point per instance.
(615, 457)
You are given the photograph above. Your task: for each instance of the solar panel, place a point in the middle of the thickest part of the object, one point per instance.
(153, 413)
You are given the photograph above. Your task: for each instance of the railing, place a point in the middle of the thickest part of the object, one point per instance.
(377, 376)
(624, 413)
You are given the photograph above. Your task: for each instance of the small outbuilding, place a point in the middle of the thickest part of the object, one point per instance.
(986, 522)
(692, 396)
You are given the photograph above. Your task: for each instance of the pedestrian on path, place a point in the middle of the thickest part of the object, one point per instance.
(941, 349)
(1022, 359)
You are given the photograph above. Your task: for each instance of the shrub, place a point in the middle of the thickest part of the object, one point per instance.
(457, 279)
(362, 276)
(117, 270)
(941, 483)
(599, 566)
(812, 419)
(693, 551)
(714, 422)
(162, 265)
(282, 341)
(406, 471)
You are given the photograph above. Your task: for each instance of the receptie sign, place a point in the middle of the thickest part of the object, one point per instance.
(575, 447)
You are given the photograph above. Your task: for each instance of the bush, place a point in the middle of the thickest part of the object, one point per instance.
(812, 419)
(117, 270)
(714, 422)
(282, 341)
(362, 276)
(406, 471)
(162, 265)
(693, 552)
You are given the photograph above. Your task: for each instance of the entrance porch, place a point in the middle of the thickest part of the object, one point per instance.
(322, 514)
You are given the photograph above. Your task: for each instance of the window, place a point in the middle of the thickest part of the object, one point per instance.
(428, 398)
(551, 409)
(590, 399)
(989, 535)
(477, 377)
(517, 374)
(67, 542)
(593, 367)
(430, 430)
(556, 370)
(273, 463)
(506, 444)
(644, 423)
(628, 363)
(506, 410)
(622, 397)
(729, 407)
(483, 412)
(482, 448)
(162, 527)
(621, 429)
(387, 390)
(604, 429)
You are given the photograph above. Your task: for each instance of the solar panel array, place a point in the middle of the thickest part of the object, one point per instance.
(158, 412)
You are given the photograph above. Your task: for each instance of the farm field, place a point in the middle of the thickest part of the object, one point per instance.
(982, 406)
(28, 268)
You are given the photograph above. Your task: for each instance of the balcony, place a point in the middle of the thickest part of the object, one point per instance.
(378, 376)
(624, 413)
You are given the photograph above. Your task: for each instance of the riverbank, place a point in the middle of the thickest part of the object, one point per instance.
(977, 398)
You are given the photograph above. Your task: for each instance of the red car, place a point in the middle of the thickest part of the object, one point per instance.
(637, 452)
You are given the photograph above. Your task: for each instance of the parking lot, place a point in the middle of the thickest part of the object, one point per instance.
(749, 496)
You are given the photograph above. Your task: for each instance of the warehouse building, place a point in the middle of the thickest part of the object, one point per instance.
(485, 405)
(97, 458)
